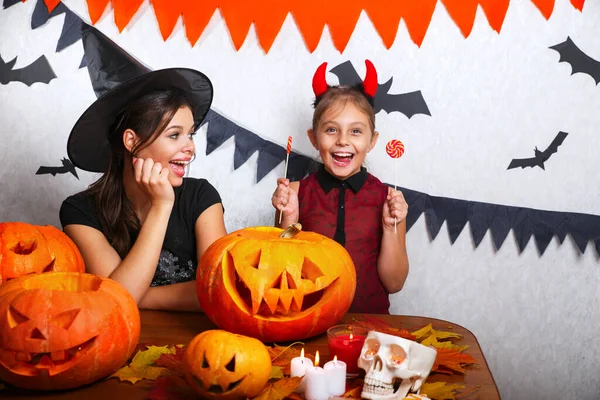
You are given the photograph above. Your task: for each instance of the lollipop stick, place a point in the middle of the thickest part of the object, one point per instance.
(287, 158)
(395, 180)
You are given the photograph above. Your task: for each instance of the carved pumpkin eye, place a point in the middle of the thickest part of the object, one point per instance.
(24, 248)
(14, 317)
(231, 364)
(65, 319)
(310, 270)
(205, 363)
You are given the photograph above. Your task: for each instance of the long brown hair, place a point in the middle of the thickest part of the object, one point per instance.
(148, 116)
(339, 96)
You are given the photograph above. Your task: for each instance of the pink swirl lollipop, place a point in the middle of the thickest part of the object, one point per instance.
(394, 148)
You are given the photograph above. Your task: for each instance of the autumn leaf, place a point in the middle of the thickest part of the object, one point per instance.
(353, 393)
(432, 341)
(428, 331)
(172, 387)
(142, 365)
(452, 360)
(294, 396)
(379, 325)
(440, 390)
(279, 389)
(276, 372)
(173, 361)
(282, 356)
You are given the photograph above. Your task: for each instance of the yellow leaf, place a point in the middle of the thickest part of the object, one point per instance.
(432, 341)
(142, 365)
(428, 331)
(279, 389)
(440, 390)
(423, 332)
(276, 372)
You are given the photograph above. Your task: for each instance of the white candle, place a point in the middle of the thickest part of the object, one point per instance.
(316, 382)
(298, 368)
(336, 377)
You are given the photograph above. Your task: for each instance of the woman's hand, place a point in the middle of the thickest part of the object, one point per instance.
(153, 179)
(395, 209)
(285, 199)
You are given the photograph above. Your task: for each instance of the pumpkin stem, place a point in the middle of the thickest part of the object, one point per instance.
(291, 231)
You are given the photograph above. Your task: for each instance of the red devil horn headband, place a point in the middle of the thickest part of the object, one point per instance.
(369, 85)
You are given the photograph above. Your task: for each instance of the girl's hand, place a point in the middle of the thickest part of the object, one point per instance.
(153, 179)
(285, 199)
(395, 209)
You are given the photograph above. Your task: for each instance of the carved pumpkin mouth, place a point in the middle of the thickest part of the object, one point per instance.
(217, 389)
(284, 296)
(32, 364)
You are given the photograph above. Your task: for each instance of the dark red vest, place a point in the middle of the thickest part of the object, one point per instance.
(362, 227)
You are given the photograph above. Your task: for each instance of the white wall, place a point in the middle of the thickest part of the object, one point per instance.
(492, 98)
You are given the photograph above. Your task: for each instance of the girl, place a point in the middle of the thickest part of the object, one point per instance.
(142, 223)
(342, 200)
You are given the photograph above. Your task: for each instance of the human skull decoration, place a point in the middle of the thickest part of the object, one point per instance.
(386, 358)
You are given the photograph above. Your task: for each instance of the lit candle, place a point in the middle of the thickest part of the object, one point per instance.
(316, 382)
(346, 343)
(298, 368)
(336, 376)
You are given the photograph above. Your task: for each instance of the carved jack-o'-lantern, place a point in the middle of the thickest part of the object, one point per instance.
(61, 330)
(256, 283)
(27, 249)
(222, 365)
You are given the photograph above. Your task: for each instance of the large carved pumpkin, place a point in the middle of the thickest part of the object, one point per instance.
(225, 366)
(61, 330)
(276, 289)
(27, 249)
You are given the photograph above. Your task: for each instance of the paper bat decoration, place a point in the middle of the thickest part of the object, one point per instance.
(540, 156)
(408, 104)
(67, 166)
(38, 71)
(580, 62)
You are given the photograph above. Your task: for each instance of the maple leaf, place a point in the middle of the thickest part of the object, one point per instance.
(440, 390)
(428, 331)
(276, 372)
(173, 361)
(353, 393)
(172, 387)
(379, 325)
(282, 356)
(142, 365)
(451, 360)
(432, 341)
(279, 389)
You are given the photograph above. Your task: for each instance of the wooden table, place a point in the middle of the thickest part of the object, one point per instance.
(167, 328)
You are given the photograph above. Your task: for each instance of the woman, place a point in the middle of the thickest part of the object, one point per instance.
(142, 223)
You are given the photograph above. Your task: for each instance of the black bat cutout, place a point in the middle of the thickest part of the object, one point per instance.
(540, 156)
(67, 166)
(408, 104)
(38, 71)
(580, 62)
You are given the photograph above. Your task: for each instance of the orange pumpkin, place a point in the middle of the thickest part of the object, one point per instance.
(61, 330)
(225, 366)
(255, 283)
(27, 249)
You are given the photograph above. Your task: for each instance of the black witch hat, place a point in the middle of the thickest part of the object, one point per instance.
(118, 79)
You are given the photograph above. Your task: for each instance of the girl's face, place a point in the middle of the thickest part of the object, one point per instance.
(174, 147)
(343, 139)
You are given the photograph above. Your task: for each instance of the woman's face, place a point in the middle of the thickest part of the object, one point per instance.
(174, 147)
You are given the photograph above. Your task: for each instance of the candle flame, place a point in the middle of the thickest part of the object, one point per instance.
(350, 336)
(334, 359)
(317, 359)
(302, 353)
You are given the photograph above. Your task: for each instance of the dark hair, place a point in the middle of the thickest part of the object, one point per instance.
(147, 116)
(339, 96)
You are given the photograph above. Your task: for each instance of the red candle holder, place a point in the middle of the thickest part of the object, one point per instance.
(346, 342)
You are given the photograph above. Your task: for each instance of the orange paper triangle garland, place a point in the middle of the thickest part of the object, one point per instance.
(311, 16)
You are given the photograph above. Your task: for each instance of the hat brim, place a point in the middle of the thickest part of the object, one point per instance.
(88, 146)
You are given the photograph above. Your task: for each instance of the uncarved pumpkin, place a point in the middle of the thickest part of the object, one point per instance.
(28, 249)
(225, 366)
(275, 289)
(61, 330)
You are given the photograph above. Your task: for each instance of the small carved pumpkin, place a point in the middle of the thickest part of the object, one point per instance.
(273, 288)
(27, 249)
(61, 330)
(222, 365)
